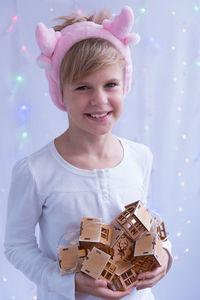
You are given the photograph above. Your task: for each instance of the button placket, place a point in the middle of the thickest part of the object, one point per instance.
(103, 184)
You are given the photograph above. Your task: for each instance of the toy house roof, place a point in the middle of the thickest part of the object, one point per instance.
(93, 231)
(90, 230)
(138, 210)
(95, 263)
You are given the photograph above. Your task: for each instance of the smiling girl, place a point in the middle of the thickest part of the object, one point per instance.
(86, 171)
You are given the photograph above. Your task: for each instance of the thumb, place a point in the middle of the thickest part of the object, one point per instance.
(100, 283)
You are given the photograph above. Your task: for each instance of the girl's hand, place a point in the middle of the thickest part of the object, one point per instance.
(149, 279)
(97, 288)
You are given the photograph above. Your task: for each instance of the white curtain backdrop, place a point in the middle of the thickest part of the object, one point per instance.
(162, 111)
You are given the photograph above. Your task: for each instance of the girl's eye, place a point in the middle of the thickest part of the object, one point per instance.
(82, 88)
(111, 84)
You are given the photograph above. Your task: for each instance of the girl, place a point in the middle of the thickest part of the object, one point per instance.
(86, 171)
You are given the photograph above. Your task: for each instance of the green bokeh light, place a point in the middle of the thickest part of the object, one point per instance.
(24, 134)
(19, 78)
(143, 10)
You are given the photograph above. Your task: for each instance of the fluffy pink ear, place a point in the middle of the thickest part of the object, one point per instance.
(46, 39)
(121, 25)
(132, 38)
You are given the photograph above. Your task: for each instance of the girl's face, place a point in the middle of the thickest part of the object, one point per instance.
(95, 103)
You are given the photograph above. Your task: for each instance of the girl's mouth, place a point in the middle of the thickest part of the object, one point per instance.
(100, 116)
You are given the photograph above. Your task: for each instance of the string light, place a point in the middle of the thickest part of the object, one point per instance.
(177, 148)
(184, 136)
(173, 48)
(23, 107)
(173, 13)
(178, 234)
(198, 63)
(187, 250)
(143, 10)
(187, 160)
(23, 48)
(14, 19)
(19, 78)
(179, 108)
(196, 8)
(79, 12)
(24, 134)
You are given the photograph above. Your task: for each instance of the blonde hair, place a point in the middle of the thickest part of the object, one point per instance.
(88, 55)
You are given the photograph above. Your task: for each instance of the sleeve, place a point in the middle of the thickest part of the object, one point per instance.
(147, 174)
(21, 249)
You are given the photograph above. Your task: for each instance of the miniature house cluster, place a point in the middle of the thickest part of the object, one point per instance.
(116, 253)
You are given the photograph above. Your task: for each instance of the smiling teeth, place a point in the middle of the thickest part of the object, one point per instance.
(99, 116)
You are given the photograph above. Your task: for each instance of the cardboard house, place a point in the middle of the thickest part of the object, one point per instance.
(125, 277)
(116, 253)
(147, 253)
(95, 263)
(134, 220)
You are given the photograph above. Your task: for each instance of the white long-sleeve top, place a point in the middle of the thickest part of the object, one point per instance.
(46, 189)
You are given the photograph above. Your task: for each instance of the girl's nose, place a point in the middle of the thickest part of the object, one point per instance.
(99, 97)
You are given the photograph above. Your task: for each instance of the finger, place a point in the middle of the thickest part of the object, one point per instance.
(149, 281)
(107, 294)
(100, 283)
(152, 274)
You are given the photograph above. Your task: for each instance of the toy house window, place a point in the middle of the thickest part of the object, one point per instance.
(106, 274)
(133, 221)
(128, 277)
(104, 233)
(116, 284)
(123, 217)
(131, 210)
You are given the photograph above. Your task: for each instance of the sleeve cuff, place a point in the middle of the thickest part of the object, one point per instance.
(168, 247)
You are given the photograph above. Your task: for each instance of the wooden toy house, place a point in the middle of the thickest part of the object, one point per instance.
(162, 232)
(95, 263)
(108, 272)
(125, 277)
(134, 220)
(93, 231)
(116, 253)
(68, 259)
(147, 253)
(123, 249)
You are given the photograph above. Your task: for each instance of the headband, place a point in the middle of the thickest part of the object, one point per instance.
(54, 45)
